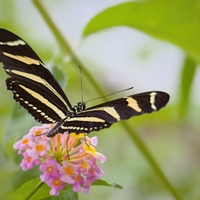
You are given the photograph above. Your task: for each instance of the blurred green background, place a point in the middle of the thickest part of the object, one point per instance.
(150, 45)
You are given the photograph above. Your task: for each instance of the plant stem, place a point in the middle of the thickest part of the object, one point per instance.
(143, 148)
(64, 44)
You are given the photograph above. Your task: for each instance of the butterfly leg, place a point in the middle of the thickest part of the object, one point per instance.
(85, 139)
(67, 149)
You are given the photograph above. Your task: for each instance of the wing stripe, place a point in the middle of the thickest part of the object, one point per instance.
(132, 103)
(44, 101)
(24, 59)
(86, 119)
(37, 79)
(13, 43)
(109, 110)
(152, 100)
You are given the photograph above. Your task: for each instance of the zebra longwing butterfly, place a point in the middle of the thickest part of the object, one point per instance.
(35, 88)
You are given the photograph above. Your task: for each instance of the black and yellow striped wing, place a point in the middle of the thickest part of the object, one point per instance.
(32, 84)
(105, 114)
(35, 88)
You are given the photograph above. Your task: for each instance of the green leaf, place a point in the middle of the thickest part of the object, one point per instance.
(36, 189)
(175, 21)
(187, 77)
(101, 182)
(69, 195)
(27, 190)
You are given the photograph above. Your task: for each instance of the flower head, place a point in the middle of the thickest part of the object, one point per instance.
(63, 159)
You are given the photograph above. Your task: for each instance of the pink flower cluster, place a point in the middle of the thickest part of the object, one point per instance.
(63, 159)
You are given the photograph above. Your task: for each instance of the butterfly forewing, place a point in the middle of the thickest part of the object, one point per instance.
(26, 69)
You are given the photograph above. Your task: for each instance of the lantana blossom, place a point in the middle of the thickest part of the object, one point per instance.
(63, 159)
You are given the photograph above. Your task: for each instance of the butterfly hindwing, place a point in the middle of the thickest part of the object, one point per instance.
(34, 102)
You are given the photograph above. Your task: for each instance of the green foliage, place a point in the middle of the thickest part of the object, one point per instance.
(187, 77)
(36, 190)
(175, 21)
(101, 182)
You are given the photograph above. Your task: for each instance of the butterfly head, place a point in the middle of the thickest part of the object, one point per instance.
(80, 106)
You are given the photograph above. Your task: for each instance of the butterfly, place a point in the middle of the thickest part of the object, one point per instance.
(36, 89)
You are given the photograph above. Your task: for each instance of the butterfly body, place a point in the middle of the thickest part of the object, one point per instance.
(35, 88)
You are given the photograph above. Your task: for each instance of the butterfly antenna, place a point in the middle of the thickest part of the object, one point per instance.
(81, 78)
(110, 94)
